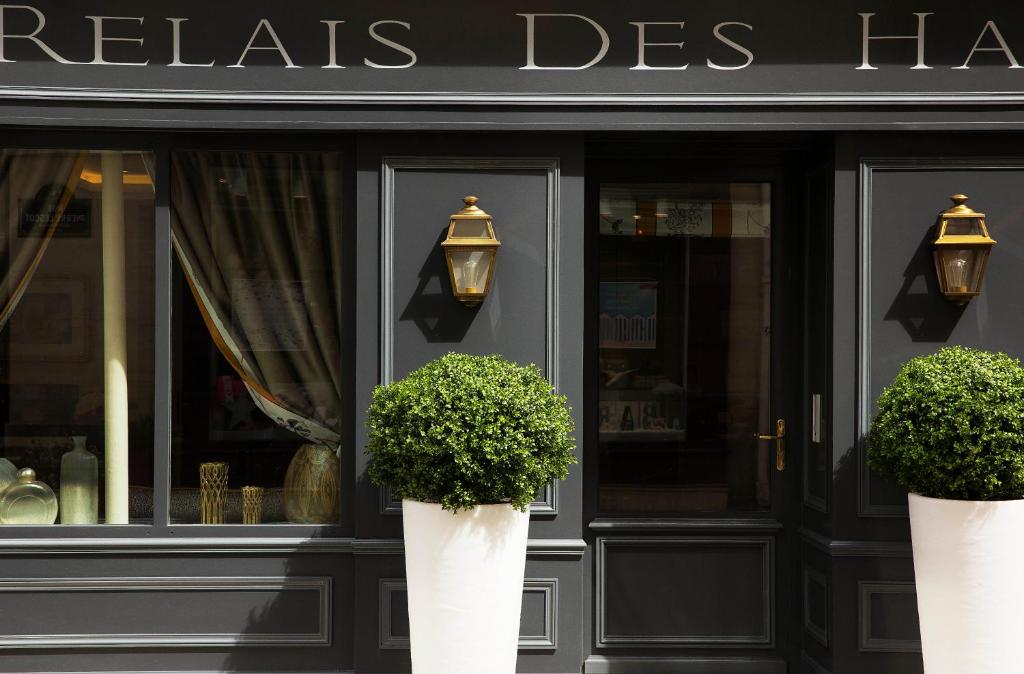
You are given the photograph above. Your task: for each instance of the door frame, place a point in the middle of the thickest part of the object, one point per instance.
(715, 158)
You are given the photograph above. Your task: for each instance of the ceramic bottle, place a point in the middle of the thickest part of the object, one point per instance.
(79, 485)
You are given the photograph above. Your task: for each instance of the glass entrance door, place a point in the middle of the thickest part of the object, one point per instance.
(696, 340)
(684, 348)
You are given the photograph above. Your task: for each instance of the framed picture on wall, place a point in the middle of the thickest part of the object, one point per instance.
(629, 315)
(51, 320)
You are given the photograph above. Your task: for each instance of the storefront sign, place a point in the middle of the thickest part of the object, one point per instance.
(557, 52)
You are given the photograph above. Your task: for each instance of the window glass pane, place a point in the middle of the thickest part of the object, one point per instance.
(256, 336)
(684, 347)
(76, 336)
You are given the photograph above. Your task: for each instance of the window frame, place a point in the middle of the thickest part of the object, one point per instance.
(162, 144)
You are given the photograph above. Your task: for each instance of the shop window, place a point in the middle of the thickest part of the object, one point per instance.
(256, 377)
(76, 336)
(684, 352)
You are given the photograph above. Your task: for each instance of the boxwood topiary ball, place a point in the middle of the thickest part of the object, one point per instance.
(469, 430)
(951, 425)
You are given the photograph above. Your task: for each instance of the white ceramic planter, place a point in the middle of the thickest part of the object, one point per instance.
(465, 579)
(969, 568)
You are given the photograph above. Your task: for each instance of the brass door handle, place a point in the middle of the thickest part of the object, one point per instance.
(780, 443)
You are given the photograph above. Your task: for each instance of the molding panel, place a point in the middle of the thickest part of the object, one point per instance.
(545, 640)
(816, 622)
(869, 167)
(597, 664)
(872, 636)
(649, 583)
(244, 602)
(389, 172)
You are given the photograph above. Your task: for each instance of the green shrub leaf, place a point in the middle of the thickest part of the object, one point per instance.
(951, 425)
(468, 430)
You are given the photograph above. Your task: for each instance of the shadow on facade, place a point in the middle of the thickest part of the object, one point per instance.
(919, 305)
(435, 312)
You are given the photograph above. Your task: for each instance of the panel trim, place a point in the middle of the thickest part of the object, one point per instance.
(811, 666)
(386, 640)
(270, 98)
(868, 167)
(573, 548)
(389, 169)
(321, 584)
(817, 632)
(686, 524)
(842, 548)
(175, 546)
(766, 543)
(547, 641)
(599, 664)
(869, 643)
(546, 507)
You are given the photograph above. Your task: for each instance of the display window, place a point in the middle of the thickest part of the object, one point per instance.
(76, 337)
(170, 344)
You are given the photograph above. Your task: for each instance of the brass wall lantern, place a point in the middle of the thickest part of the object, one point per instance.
(961, 251)
(470, 248)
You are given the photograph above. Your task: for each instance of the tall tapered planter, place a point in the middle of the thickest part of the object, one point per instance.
(970, 586)
(465, 578)
(467, 442)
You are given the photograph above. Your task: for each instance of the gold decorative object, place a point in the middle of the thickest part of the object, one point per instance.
(311, 486)
(213, 485)
(962, 248)
(470, 249)
(252, 505)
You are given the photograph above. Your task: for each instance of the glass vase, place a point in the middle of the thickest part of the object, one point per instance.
(28, 501)
(311, 486)
(79, 485)
(8, 474)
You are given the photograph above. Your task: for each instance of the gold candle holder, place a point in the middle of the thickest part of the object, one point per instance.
(213, 486)
(252, 505)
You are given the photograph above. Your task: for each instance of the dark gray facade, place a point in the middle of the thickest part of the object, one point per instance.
(819, 583)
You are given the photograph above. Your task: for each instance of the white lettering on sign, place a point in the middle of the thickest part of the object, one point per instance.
(1003, 47)
(98, 38)
(40, 22)
(531, 42)
(867, 37)
(176, 45)
(642, 44)
(278, 47)
(332, 42)
(391, 43)
(727, 50)
(717, 32)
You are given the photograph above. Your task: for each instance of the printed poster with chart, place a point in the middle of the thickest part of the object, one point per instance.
(629, 314)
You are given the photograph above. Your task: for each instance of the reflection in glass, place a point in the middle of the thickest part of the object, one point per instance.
(76, 321)
(257, 327)
(684, 346)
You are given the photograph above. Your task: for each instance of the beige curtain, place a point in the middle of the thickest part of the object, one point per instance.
(37, 185)
(258, 236)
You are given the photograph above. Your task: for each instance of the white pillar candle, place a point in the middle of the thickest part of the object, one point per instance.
(115, 352)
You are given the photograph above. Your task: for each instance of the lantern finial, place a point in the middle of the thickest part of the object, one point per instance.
(960, 206)
(471, 209)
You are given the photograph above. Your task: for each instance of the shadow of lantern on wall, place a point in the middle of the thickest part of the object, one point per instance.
(470, 249)
(961, 251)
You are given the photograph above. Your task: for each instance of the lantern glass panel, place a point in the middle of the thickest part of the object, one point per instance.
(962, 227)
(470, 229)
(470, 269)
(960, 269)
